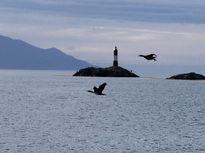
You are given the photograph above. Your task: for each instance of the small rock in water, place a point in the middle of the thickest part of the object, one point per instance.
(188, 76)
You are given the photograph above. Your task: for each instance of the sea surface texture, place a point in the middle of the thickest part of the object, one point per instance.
(52, 112)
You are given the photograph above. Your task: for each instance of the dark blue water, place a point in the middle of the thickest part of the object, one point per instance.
(51, 111)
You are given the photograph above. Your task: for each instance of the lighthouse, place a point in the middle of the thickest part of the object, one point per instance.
(115, 62)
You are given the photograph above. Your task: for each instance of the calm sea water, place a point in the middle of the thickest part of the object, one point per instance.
(52, 112)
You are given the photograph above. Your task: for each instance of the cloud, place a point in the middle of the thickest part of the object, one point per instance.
(95, 43)
(89, 29)
(144, 11)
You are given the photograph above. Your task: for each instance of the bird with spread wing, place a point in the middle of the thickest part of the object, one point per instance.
(98, 90)
(149, 57)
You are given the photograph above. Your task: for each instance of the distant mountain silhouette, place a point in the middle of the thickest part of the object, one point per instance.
(17, 54)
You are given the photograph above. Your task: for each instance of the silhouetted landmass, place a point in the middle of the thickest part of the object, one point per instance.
(105, 72)
(188, 76)
(17, 54)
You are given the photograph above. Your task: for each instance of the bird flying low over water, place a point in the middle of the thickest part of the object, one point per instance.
(149, 57)
(98, 90)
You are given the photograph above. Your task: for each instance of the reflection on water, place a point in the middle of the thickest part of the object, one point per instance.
(51, 111)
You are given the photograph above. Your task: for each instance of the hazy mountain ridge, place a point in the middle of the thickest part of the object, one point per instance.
(17, 54)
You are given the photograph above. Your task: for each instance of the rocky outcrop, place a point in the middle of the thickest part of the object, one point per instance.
(188, 76)
(105, 72)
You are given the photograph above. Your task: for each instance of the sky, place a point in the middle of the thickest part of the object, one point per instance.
(90, 29)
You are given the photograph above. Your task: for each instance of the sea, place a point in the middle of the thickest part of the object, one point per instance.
(52, 112)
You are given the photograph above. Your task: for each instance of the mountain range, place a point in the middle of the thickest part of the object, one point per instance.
(17, 54)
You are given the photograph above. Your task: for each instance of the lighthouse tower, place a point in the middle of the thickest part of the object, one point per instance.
(115, 62)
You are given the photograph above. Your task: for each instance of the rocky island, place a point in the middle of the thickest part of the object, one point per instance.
(188, 76)
(114, 71)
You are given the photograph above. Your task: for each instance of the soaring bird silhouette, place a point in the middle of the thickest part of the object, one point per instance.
(149, 57)
(98, 90)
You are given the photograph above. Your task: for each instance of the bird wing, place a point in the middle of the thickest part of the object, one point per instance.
(101, 87)
(153, 55)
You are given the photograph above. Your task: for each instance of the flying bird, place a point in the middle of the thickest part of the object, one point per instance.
(98, 90)
(149, 57)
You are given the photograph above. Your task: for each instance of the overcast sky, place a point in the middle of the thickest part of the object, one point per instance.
(90, 29)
